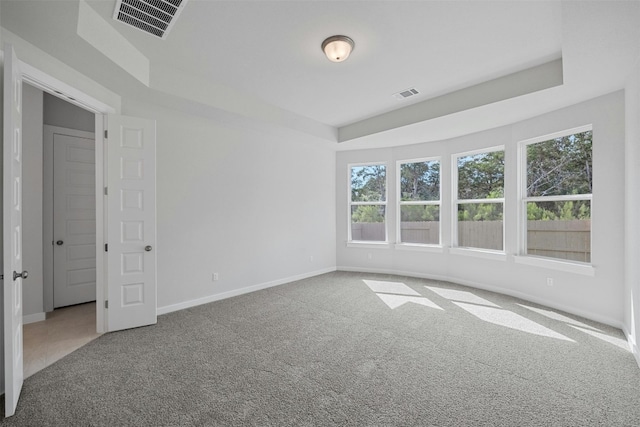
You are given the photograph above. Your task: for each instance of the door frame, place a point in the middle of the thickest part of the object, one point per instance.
(55, 87)
(48, 208)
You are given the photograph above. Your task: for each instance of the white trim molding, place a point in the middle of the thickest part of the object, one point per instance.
(236, 292)
(33, 318)
(368, 245)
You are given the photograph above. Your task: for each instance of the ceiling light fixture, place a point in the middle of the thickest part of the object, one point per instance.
(337, 48)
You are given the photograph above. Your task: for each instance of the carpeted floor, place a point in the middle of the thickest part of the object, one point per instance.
(339, 350)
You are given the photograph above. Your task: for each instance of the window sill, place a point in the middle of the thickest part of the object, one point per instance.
(418, 247)
(552, 264)
(479, 253)
(368, 245)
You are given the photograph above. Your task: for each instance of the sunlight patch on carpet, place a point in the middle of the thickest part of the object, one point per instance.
(510, 320)
(557, 316)
(395, 301)
(396, 294)
(462, 296)
(618, 342)
(390, 287)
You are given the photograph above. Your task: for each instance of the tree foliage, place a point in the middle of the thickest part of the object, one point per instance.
(567, 210)
(367, 213)
(368, 183)
(419, 213)
(556, 167)
(420, 181)
(480, 212)
(481, 176)
(560, 166)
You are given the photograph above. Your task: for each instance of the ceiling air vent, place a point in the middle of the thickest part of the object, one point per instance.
(155, 17)
(406, 93)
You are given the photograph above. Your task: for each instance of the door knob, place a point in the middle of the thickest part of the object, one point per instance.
(23, 275)
(148, 248)
(59, 242)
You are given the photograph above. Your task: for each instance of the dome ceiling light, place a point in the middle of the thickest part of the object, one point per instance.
(337, 48)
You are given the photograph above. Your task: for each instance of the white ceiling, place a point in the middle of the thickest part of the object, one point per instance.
(268, 53)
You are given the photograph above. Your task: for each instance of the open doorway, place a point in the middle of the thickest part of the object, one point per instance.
(59, 236)
(126, 170)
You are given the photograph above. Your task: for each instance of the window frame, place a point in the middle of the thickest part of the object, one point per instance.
(400, 203)
(455, 202)
(523, 199)
(384, 203)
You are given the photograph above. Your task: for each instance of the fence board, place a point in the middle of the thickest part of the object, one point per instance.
(569, 240)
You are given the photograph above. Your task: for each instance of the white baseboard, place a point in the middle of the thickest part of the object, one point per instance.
(632, 344)
(224, 295)
(548, 303)
(33, 318)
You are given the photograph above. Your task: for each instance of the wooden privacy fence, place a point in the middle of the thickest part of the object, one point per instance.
(480, 234)
(570, 240)
(368, 231)
(420, 232)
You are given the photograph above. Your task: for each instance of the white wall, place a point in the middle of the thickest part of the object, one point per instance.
(249, 206)
(32, 198)
(58, 112)
(632, 225)
(273, 223)
(599, 297)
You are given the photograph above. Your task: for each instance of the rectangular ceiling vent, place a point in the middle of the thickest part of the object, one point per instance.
(406, 93)
(155, 17)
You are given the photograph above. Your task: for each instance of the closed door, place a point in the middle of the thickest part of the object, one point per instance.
(74, 220)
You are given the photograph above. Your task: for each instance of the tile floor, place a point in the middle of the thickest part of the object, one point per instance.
(64, 331)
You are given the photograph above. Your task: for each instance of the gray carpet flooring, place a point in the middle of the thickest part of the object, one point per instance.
(335, 350)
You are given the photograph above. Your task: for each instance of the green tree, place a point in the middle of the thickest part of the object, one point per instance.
(420, 181)
(480, 212)
(560, 166)
(549, 211)
(368, 213)
(481, 176)
(419, 213)
(368, 183)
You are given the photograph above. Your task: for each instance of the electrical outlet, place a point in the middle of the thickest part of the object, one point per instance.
(215, 277)
(311, 258)
(369, 256)
(549, 281)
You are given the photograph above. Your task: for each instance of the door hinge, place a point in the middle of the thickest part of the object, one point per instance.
(106, 191)
(106, 303)
(106, 247)
(1, 276)
(106, 134)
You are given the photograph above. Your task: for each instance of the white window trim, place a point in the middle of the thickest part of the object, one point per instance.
(536, 260)
(555, 135)
(575, 267)
(419, 247)
(479, 253)
(416, 246)
(366, 244)
(463, 250)
(350, 203)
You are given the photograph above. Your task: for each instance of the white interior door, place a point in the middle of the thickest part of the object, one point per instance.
(74, 220)
(131, 222)
(12, 230)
